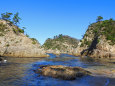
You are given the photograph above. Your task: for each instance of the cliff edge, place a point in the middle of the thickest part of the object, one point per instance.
(98, 41)
(14, 43)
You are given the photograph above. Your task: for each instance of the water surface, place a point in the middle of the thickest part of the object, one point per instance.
(19, 72)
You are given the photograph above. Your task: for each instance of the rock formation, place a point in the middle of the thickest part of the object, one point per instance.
(98, 41)
(61, 44)
(14, 43)
(63, 72)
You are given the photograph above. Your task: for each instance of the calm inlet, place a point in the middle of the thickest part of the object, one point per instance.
(20, 72)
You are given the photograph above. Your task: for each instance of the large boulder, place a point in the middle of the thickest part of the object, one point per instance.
(63, 72)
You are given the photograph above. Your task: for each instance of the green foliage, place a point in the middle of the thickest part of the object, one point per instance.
(98, 40)
(60, 36)
(27, 35)
(48, 44)
(109, 30)
(18, 30)
(106, 28)
(24, 28)
(80, 40)
(57, 42)
(86, 42)
(82, 44)
(99, 18)
(21, 30)
(97, 28)
(34, 41)
(16, 18)
(56, 47)
(15, 30)
(6, 16)
(7, 45)
(95, 31)
(2, 27)
(1, 34)
(86, 35)
(16, 41)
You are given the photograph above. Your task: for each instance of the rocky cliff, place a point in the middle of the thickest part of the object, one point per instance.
(61, 44)
(99, 40)
(14, 43)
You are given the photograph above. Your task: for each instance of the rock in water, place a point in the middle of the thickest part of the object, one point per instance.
(63, 72)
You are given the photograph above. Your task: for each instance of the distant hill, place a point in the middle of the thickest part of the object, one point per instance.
(61, 44)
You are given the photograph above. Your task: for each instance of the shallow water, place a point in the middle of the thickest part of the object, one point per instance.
(19, 72)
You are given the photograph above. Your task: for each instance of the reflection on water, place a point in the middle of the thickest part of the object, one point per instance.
(19, 72)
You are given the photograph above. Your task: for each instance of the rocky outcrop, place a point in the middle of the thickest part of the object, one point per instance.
(63, 72)
(98, 41)
(61, 44)
(14, 43)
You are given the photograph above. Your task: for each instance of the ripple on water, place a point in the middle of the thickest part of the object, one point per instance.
(19, 72)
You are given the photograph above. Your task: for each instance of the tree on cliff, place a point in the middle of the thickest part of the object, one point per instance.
(16, 18)
(99, 18)
(6, 16)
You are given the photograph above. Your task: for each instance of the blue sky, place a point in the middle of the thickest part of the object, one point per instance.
(47, 18)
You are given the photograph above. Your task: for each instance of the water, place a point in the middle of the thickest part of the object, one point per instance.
(19, 72)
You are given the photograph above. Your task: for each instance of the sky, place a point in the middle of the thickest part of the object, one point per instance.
(46, 18)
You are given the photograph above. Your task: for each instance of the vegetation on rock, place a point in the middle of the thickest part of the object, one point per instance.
(101, 28)
(13, 41)
(106, 28)
(12, 19)
(3, 29)
(60, 42)
(34, 41)
(99, 38)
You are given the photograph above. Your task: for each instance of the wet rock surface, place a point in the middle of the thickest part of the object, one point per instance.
(62, 72)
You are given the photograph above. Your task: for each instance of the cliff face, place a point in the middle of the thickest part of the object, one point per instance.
(14, 43)
(98, 41)
(61, 44)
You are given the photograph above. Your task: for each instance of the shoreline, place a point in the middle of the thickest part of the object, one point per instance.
(105, 72)
(110, 73)
(22, 57)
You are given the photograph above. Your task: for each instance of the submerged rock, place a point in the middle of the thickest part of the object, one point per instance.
(63, 72)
